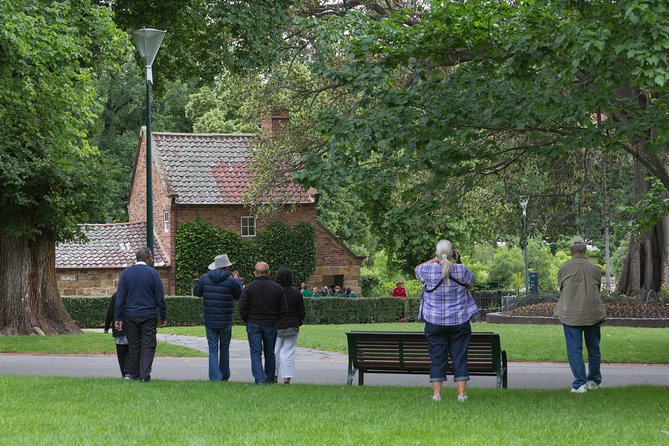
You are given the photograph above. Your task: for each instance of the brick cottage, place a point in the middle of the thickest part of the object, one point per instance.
(204, 177)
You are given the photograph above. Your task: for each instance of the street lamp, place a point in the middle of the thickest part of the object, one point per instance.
(147, 41)
(523, 204)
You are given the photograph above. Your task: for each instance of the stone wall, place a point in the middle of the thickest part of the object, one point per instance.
(98, 282)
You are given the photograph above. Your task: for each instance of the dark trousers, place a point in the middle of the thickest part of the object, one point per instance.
(141, 334)
(122, 355)
(445, 340)
(262, 339)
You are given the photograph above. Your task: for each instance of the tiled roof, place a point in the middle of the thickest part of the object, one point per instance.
(210, 168)
(108, 246)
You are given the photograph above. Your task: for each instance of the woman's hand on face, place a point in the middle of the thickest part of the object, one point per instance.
(456, 256)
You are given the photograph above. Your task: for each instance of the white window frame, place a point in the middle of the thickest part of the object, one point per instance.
(166, 221)
(245, 224)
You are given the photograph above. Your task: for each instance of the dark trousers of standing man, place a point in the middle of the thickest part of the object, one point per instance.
(141, 334)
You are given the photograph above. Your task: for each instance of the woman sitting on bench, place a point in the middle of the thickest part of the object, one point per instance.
(446, 308)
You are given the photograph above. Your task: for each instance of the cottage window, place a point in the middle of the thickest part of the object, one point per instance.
(248, 226)
(166, 221)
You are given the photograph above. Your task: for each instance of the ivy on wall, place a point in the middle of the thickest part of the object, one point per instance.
(198, 242)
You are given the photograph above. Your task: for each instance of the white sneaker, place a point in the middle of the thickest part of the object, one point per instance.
(462, 398)
(436, 398)
(591, 385)
(580, 389)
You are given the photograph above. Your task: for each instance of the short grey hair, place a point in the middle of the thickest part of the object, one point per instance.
(143, 253)
(580, 249)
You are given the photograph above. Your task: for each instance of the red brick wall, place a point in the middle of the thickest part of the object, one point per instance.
(98, 282)
(161, 202)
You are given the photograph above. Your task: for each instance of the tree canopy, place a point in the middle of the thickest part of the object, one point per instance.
(50, 56)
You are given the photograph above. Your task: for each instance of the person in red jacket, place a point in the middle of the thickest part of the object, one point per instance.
(399, 290)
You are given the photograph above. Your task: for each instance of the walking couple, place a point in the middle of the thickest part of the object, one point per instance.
(272, 310)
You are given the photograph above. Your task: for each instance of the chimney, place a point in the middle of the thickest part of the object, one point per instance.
(273, 121)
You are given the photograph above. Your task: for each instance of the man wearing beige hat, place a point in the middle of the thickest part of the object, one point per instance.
(219, 288)
(581, 312)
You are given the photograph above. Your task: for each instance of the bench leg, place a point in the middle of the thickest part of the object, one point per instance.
(351, 374)
(505, 370)
(361, 378)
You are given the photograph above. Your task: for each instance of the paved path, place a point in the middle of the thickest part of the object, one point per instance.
(313, 367)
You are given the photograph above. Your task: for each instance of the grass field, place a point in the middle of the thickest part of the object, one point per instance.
(87, 343)
(533, 343)
(106, 411)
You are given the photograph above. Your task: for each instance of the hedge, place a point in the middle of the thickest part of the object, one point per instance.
(91, 311)
(187, 310)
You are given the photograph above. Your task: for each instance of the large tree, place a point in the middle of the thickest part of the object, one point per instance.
(439, 96)
(50, 176)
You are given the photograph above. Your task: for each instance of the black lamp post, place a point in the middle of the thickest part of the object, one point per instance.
(523, 204)
(147, 41)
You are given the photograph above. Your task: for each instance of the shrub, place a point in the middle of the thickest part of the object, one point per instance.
(368, 283)
(187, 310)
(91, 311)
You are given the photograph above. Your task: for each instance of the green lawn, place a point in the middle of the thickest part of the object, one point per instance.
(87, 343)
(533, 343)
(39, 410)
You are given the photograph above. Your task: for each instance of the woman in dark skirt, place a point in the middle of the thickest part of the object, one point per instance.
(119, 335)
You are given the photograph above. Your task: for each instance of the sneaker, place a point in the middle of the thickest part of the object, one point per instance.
(436, 398)
(580, 389)
(128, 376)
(591, 385)
(462, 398)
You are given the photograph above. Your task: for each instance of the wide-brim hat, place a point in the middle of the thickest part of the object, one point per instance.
(220, 261)
(576, 241)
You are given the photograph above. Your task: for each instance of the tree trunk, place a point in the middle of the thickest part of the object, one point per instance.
(663, 242)
(29, 299)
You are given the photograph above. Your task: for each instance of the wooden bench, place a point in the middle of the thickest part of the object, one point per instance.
(406, 352)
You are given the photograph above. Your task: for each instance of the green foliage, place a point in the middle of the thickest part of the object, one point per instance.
(386, 288)
(51, 53)
(124, 96)
(414, 109)
(342, 213)
(91, 311)
(204, 37)
(653, 206)
(187, 310)
(368, 283)
(199, 242)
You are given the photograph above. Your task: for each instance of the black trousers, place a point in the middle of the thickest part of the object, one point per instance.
(122, 355)
(141, 334)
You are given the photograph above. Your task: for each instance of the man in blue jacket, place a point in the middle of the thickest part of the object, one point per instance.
(219, 288)
(139, 299)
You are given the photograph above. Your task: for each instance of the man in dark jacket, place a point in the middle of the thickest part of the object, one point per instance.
(261, 306)
(219, 288)
(139, 298)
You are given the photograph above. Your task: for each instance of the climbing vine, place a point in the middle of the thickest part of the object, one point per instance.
(198, 242)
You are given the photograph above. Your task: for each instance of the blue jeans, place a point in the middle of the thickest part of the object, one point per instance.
(219, 342)
(262, 339)
(445, 339)
(574, 337)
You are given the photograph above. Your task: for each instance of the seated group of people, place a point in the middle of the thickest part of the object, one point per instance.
(326, 291)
